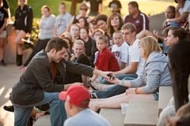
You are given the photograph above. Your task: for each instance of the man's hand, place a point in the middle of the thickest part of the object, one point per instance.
(114, 80)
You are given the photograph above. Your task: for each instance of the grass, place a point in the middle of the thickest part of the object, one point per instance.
(150, 7)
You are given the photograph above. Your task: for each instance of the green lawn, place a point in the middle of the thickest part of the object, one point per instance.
(150, 7)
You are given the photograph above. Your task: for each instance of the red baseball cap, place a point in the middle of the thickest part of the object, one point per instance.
(76, 95)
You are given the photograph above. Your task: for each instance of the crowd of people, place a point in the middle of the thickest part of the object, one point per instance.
(116, 59)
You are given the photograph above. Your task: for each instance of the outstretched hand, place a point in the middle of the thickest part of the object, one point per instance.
(113, 79)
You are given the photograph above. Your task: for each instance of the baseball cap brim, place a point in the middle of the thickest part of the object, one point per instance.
(62, 95)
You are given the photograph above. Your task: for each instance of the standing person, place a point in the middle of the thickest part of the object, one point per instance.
(46, 27)
(23, 26)
(3, 32)
(83, 8)
(35, 86)
(139, 19)
(62, 20)
(115, 6)
(146, 86)
(95, 7)
(76, 106)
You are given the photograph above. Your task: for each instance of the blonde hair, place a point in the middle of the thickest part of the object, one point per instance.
(149, 45)
(78, 42)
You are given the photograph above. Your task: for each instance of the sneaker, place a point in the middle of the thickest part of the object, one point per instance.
(93, 96)
(90, 84)
(3, 63)
(9, 108)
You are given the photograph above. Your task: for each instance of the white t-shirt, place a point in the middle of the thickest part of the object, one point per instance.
(46, 27)
(134, 56)
(62, 21)
(86, 118)
(186, 8)
(121, 53)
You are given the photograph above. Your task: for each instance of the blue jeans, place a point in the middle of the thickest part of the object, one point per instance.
(57, 110)
(122, 76)
(111, 91)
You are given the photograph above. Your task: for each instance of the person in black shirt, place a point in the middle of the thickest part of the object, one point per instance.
(89, 43)
(23, 26)
(95, 7)
(3, 32)
(115, 6)
(79, 56)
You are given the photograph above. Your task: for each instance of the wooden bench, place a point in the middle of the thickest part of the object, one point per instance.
(113, 116)
(165, 94)
(141, 113)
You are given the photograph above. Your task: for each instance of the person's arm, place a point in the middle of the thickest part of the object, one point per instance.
(4, 25)
(143, 34)
(5, 22)
(179, 19)
(132, 68)
(30, 20)
(84, 69)
(100, 8)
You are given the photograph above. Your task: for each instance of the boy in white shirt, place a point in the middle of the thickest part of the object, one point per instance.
(120, 49)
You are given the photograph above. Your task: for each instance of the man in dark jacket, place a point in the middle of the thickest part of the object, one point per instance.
(35, 86)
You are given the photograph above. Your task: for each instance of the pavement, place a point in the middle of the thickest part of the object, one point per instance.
(9, 75)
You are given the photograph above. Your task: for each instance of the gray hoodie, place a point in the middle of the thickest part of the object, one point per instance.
(156, 73)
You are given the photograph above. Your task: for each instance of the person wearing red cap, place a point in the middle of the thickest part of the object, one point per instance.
(77, 99)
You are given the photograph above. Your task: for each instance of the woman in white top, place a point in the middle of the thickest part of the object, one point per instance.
(46, 28)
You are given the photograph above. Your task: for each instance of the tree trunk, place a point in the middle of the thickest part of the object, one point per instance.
(73, 7)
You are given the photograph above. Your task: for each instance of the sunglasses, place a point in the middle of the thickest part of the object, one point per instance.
(83, 9)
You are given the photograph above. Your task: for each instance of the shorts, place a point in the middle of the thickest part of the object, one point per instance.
(3, 34)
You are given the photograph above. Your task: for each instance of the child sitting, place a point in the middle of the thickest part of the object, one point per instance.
(79, 57)
(120, 49)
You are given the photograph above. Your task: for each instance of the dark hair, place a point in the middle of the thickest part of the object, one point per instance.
(101, 17)
(62, 3)
(179, 32)
(47, 7)
(172, 8)
(110, 28)
(134, 4)
(86, 24)
(56, 43)
(179, 55)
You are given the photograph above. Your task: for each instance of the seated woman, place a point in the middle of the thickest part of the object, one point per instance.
(156, 73)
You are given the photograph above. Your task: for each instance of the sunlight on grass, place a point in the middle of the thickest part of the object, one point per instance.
(150, 7)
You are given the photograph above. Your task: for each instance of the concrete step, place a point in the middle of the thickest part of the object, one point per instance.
(141, 113)
(43, 121)
(165, 94)
(113, 116)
